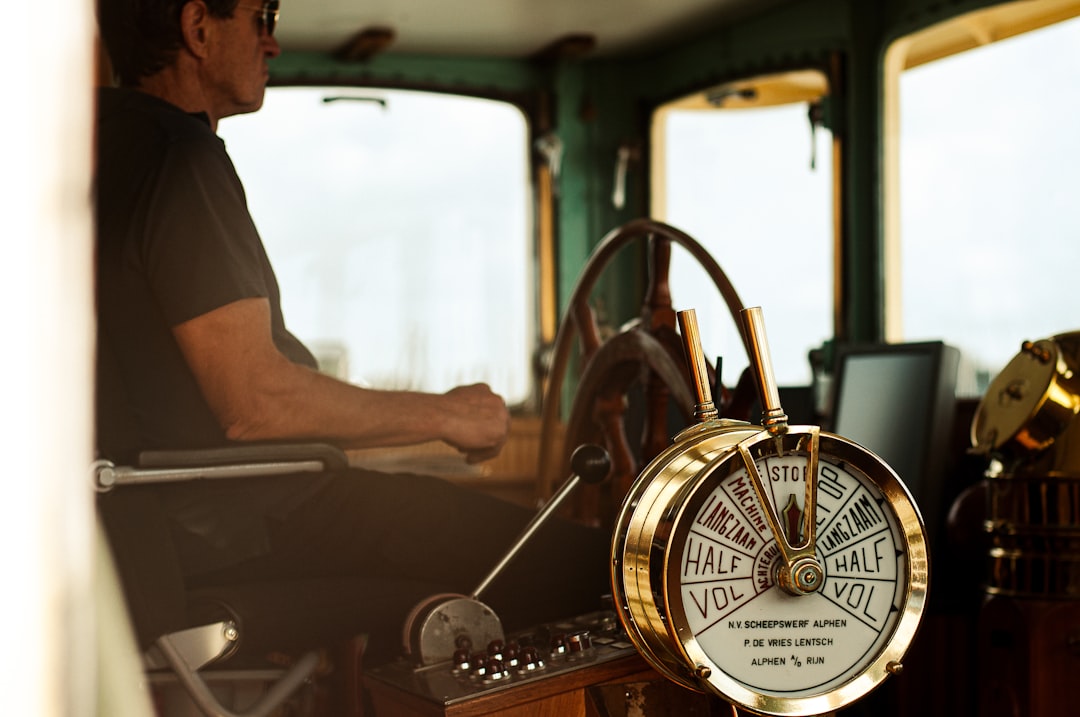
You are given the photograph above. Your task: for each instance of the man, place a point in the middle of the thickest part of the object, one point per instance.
(193, 352)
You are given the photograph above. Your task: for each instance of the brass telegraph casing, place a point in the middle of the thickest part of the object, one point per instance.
(647, 513)
(783, 568)
(1032, 401)
(1027, 422)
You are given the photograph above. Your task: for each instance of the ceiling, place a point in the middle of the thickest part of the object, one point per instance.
(503, 28)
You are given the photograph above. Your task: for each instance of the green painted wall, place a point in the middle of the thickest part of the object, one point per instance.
(466, 75)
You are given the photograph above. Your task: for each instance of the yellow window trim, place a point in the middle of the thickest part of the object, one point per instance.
(983, 27)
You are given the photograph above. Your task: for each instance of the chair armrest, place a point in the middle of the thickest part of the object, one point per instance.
(332, 457)
(228, 462)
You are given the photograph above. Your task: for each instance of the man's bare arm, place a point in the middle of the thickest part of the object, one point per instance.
(256, 393)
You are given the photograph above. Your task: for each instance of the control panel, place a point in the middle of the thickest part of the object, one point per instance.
(540, 653)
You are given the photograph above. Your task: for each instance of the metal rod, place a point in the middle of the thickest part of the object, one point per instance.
(772, 414)
(534, 525)
(107, 476)
(704, 409)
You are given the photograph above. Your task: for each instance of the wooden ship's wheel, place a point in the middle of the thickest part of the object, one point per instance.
(646, 352)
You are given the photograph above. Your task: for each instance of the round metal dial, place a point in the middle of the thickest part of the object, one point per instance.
(783, 597)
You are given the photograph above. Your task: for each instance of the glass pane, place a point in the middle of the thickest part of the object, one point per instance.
(741, 183)
(989, 177)
(399, 230)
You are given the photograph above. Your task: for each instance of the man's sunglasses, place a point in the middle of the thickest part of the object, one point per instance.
(269, 13)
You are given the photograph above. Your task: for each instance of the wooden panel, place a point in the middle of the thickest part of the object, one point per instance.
(561, 696)
(562, 704)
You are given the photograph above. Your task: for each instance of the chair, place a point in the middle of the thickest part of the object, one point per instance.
(158, 603)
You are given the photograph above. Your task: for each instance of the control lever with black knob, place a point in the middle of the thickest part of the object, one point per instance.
(435, 624)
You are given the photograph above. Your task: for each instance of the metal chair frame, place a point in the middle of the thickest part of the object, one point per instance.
(187, 652)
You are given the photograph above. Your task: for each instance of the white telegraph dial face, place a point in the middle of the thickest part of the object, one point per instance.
(758, 640)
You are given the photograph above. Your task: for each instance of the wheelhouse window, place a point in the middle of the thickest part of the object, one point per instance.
(985, 171)
(746, 169)
(398, 224)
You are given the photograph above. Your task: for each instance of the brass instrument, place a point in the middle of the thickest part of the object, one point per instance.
(783, 568)
(1029, 625)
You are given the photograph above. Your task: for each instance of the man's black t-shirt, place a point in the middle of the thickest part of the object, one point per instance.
(175, 240)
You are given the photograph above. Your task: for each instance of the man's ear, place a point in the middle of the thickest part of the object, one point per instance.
(195, 27)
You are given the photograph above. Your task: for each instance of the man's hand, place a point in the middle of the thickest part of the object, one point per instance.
(478, 422)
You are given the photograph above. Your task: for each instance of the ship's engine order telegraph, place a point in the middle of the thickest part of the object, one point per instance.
(783, 568)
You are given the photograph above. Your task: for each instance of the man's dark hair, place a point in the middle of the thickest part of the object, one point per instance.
(143, 36)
